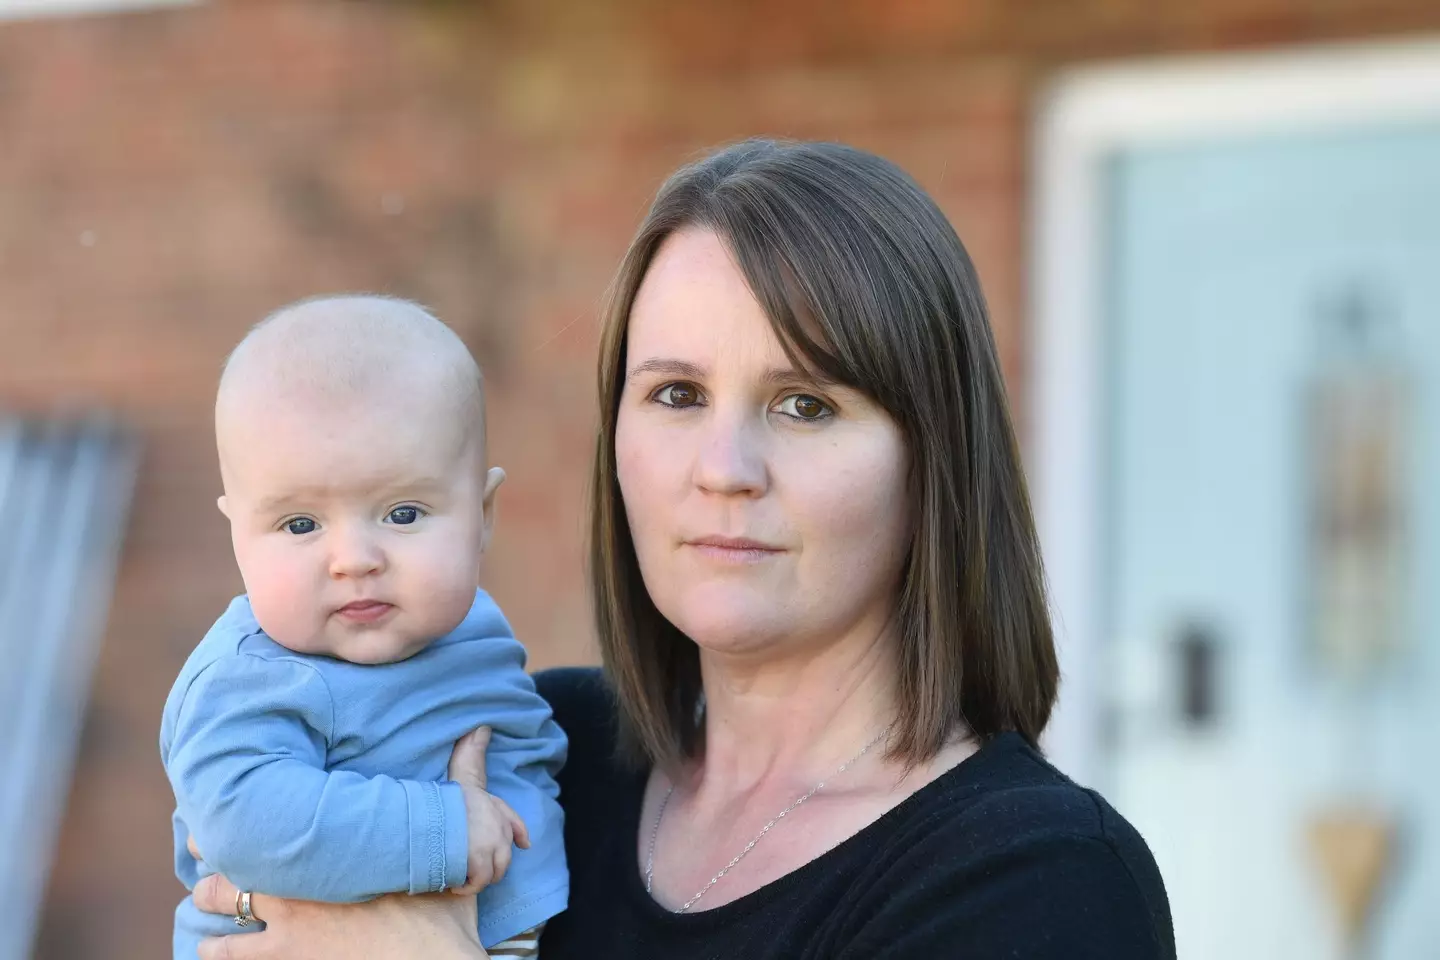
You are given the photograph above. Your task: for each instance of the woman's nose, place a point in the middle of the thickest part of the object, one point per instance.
(731, 457)
(354, 553)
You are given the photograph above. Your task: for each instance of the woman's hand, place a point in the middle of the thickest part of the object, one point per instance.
(439, 926)
(397, 927)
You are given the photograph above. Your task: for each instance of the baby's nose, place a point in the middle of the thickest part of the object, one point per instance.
(355, 555)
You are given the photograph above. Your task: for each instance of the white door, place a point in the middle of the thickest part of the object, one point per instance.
(1241, 279)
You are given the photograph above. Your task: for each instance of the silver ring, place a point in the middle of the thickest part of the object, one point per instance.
(243, 914)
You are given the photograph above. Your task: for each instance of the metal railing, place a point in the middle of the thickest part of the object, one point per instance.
(65, 490)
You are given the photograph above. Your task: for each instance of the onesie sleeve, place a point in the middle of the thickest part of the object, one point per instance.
(247, 764)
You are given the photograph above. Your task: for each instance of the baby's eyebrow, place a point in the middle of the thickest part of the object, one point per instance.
(277, 504)
(394, 489)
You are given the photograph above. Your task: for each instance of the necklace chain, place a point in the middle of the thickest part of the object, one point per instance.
(665, 802)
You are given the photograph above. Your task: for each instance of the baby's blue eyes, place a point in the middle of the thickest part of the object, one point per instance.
(400, 516)
(404, 515)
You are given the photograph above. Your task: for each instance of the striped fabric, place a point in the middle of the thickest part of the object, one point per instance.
(525, 944)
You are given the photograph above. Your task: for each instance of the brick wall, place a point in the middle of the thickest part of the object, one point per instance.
(168, 177)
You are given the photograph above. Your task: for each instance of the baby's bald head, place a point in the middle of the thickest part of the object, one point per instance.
(356, 352)
(352, 449)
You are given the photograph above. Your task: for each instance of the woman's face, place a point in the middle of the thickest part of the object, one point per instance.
(768, 510)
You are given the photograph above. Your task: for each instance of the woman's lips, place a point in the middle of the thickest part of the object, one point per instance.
(365, 611)
(733, 549)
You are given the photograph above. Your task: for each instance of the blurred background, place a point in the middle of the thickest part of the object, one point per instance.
(1210, 237)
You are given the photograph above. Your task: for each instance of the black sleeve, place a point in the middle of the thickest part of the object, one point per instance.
(585, 709)
(1050, 896)
(580, 699)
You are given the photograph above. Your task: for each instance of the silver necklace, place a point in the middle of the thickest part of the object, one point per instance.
(665, 802)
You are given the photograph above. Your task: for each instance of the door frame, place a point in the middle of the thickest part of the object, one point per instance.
(1084, 118)
(45, 9)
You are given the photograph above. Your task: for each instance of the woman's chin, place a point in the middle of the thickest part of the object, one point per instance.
(725, 631)
(728, 632)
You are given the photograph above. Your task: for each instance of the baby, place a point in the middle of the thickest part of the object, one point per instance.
(308, 735)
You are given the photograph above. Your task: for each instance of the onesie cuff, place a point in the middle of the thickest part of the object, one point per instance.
(457, 835)
(439, 840)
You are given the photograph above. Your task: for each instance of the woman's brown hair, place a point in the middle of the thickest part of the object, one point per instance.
(864, 281)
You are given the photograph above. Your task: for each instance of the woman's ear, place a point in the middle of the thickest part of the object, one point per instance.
(224, 507)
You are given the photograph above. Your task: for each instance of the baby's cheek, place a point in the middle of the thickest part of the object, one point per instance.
(440, 584)
(284, 605)
(454, 596)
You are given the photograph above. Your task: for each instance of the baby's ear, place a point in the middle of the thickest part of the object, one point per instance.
(493, 478)
(220, 502)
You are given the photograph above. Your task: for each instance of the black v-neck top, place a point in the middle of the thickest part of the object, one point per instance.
(1001, 857)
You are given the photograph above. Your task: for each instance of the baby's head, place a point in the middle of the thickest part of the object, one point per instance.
(351, 433)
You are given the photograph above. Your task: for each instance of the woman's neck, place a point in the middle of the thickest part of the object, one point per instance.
(792, 719)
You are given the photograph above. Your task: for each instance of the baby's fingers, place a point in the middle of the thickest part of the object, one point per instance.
(482, 874)
(467, 760)
(521, 835)
(502, 863)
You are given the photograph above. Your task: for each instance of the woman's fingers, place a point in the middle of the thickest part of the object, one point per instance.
(392, 926)
(250, 946)
(467, 760)
(215, 894)
(190, 845)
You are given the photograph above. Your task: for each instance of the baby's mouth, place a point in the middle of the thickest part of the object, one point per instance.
(365, 611)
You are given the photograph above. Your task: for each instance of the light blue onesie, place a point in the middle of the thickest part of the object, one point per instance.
(307, 777)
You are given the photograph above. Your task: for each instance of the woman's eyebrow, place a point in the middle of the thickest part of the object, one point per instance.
(670, 367)
(666, 366)
(790, 375)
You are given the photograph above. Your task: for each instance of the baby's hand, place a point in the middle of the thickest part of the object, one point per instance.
(494, 829)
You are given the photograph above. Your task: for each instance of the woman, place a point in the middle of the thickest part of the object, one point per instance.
(820, 601)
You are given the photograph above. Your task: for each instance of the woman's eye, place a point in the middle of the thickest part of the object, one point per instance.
(300, 526)
(677, 395)
(802, 406)
(404, 515)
